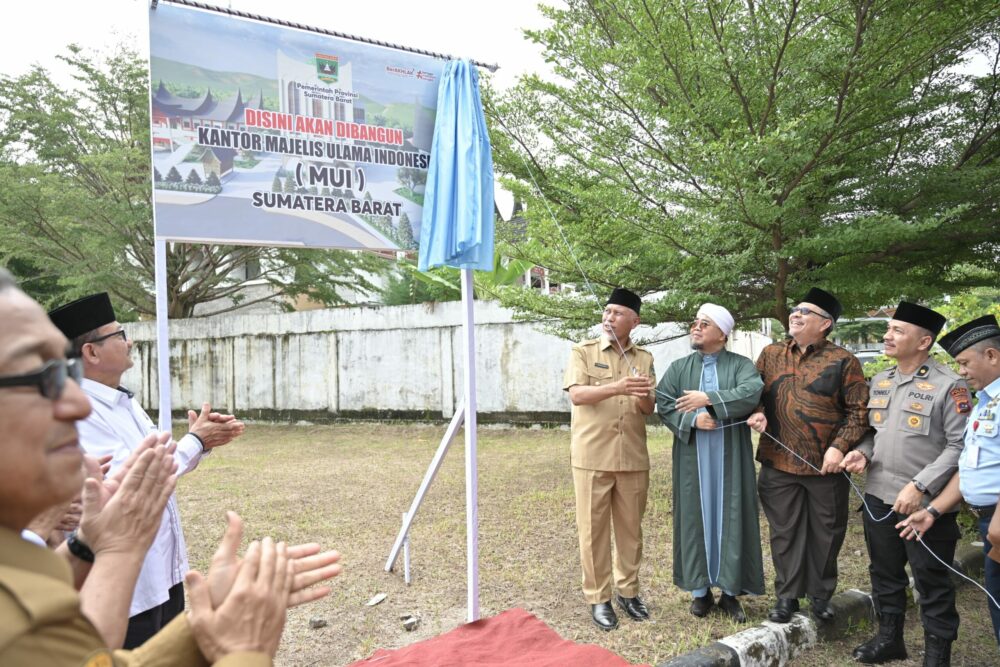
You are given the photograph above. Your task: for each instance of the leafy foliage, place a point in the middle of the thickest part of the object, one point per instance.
(742, 152)
(76, 201)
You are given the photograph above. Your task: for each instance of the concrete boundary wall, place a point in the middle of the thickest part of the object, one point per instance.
(371, 362)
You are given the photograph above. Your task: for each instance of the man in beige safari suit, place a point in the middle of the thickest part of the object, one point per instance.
(610, 383)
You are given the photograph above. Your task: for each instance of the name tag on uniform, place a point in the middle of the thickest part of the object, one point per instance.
(600, 365)
(973, 454)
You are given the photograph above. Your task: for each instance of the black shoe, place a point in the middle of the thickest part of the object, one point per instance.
(604, 616)
(886, 645)
(634, 607)
(783, 610)
(732, 606)
(701, 606)
(937, 651)
(821, 609)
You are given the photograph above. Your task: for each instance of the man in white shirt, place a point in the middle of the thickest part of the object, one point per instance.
(115, 425)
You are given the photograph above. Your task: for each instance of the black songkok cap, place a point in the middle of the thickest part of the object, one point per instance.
(969, 334)
(622, 297)
(824, 300)
(83, 315)
(921, 316)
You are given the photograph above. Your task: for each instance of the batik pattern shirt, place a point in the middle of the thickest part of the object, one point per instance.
(813, 399)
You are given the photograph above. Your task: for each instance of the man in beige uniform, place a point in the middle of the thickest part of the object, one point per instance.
(610, 383)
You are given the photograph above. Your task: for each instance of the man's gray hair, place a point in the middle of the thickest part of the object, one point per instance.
(829, 318)
(6, 280)
(983, 345)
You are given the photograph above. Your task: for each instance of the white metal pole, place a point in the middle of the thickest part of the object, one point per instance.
(162, 337)
(425, 485)
(471, 468)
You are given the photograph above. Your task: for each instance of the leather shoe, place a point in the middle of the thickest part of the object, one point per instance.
(783, 610)
(821, 609)
(732, 607)
(634, 607)
(604, 616)
(701, 606)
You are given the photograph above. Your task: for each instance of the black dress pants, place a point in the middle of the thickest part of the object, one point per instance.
(888, 553)
(144, 625)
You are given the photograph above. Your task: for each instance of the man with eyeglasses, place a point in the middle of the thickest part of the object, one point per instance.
(704, 400)
(815, 405)
(237, 612)
(115, 424)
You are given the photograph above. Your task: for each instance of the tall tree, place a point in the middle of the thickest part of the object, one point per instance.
(75, 199)
(740, 152)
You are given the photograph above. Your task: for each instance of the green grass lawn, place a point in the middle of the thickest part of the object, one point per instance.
(347, 485)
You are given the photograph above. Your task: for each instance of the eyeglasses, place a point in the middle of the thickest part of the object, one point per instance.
(806, 311)
(50, 380)
(700, 324)
(120, 332)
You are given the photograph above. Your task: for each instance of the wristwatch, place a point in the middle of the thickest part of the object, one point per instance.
(933, 511)
(79, 549)
(920, 487)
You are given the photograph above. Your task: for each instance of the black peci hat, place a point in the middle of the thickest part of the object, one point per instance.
(970, 333)
(83, 315)
(623, 297)
(824, 300)
(921, 316)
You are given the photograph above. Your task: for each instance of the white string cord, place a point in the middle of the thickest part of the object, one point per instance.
(635, 372)
(920, 538)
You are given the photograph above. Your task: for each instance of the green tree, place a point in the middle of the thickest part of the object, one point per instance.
(406, 241)
(740, 152)
(76, 200)
(212, 180)
(276, 184)
(193, 178)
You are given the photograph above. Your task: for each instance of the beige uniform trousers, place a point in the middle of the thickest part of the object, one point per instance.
(603, 498)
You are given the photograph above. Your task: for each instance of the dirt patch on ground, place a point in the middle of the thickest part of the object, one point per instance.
(346, 486)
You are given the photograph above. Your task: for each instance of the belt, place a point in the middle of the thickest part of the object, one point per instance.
(982, 511)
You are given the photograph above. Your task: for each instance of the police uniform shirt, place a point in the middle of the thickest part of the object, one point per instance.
(918, 423)
(609, 435)
(979, 466)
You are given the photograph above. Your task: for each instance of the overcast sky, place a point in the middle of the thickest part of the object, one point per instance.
(34, 32)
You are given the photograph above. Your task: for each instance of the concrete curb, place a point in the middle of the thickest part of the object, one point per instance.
(771, 644)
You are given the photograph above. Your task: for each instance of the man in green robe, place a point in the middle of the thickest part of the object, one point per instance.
(704, 399)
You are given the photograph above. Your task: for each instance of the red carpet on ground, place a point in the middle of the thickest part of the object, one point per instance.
(514, 637)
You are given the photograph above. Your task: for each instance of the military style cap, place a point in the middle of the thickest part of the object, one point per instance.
(623, 297)
(921, 316)
(970, 333)
(83, 315)
(824, 300)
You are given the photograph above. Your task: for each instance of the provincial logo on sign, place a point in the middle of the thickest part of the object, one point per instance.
(327, 68)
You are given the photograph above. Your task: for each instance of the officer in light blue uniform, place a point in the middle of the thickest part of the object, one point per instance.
(976, 347)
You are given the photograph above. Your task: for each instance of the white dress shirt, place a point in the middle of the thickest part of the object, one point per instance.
(116, 425)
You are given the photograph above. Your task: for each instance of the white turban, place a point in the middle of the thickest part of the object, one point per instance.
(719, 315)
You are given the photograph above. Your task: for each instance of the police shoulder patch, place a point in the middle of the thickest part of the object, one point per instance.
(960, 395)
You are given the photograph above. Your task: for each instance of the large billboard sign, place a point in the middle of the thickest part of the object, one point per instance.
(264, 134)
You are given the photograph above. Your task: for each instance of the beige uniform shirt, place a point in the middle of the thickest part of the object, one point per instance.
(41, 622)
(610, 435)
(918, 422)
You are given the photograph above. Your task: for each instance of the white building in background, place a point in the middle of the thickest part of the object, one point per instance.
(301, 92)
